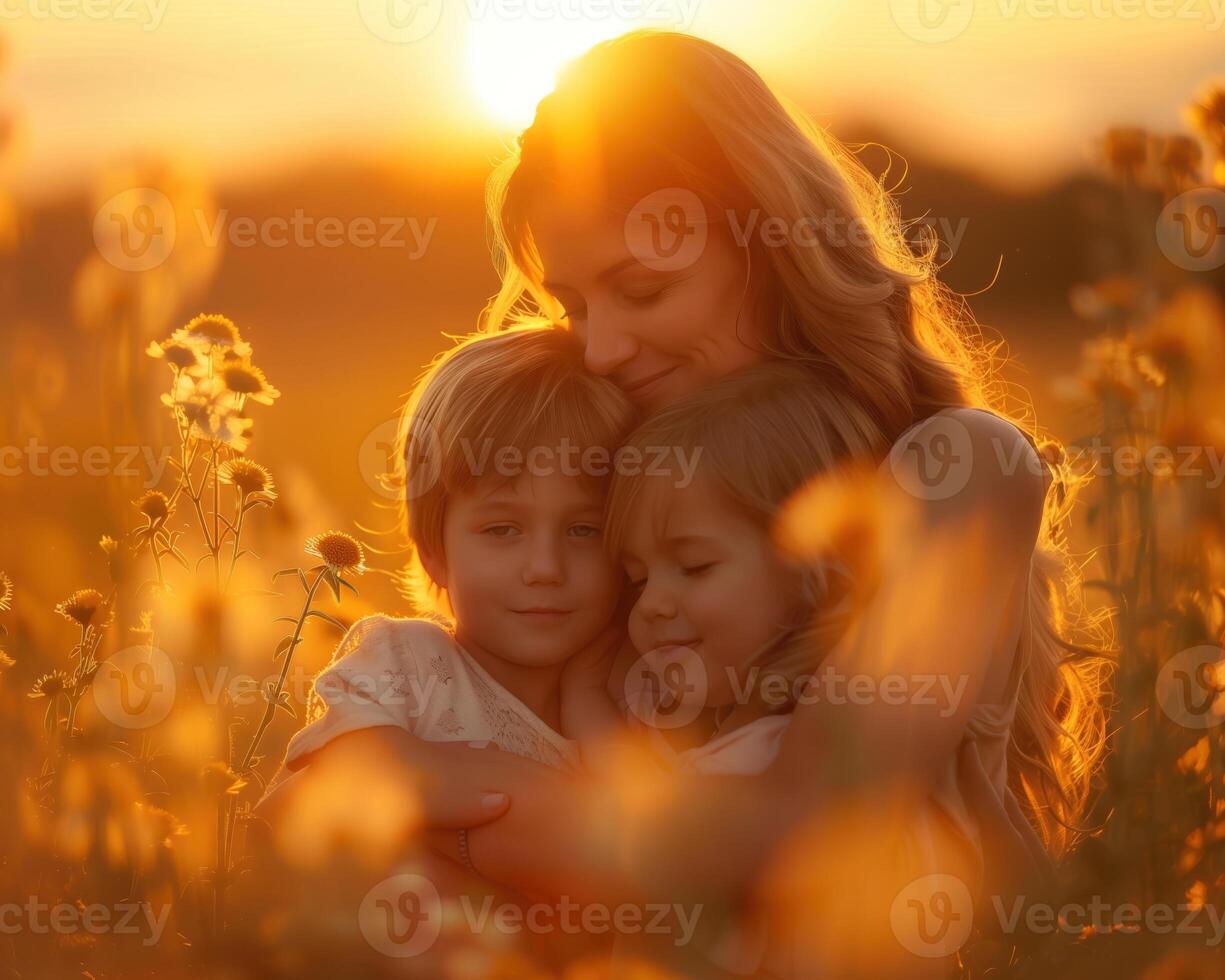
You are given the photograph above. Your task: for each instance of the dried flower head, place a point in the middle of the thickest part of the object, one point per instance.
(1207, 114)
(249, 476)
(6, 593)
(211, 331)
(1126, 150)
(178, 356)
(220, 780)
(108, 544)
(339, 551)
(144, 627)
(6, 660)
(154, 504)
(211, 410)
(245, 379)
(1180, 160)
(50, 685)
(81, 606)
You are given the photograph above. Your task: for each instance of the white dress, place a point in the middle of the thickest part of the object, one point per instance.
(411, 674)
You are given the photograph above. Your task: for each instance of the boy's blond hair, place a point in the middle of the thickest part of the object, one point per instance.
(477, 405)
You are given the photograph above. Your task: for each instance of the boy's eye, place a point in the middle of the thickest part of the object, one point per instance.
(500, 530)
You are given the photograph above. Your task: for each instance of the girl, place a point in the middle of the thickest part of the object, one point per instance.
(717, 605)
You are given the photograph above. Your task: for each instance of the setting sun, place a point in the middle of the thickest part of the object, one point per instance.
(513, 61)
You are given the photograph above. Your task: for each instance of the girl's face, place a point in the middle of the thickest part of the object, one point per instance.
(709, 579)
(660, 329)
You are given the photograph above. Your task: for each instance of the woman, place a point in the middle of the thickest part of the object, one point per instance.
(685, 224)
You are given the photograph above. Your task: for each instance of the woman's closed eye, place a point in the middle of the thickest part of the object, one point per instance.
(698, 569)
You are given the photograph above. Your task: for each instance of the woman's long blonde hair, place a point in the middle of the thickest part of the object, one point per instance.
(655, 109)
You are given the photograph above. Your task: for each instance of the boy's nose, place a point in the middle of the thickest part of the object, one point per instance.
(544, 564)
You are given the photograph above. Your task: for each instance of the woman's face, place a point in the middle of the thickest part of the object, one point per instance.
(655, 295)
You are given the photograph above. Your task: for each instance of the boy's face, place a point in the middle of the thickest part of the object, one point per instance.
(708, 579)
(525, 568)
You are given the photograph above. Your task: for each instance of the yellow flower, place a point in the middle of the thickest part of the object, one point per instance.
(50, 685)
(6, 593)
(248, 476)
(6, 660)
(108, 544)
(154, 504)
(340, 552)
(247, 381)
(81, 606)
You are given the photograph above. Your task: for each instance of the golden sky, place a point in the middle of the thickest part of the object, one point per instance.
(1013, 88)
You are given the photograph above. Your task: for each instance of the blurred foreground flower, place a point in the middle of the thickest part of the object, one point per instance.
(6, 593)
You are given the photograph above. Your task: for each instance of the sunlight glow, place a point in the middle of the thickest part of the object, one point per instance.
(513, 60)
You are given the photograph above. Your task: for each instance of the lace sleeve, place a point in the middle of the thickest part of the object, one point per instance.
(373, 681)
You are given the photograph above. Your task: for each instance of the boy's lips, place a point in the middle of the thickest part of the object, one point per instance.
(542, 611)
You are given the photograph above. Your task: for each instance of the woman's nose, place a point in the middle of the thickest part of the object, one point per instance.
(607, 345)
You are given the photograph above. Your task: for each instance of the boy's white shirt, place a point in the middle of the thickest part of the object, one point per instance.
(411, 674)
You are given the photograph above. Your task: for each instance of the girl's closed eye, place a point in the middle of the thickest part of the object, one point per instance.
(587, 530)
(698, 569)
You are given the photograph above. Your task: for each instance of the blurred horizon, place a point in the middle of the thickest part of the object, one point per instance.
(251, 90)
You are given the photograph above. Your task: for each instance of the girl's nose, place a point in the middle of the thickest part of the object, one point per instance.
(655, 603)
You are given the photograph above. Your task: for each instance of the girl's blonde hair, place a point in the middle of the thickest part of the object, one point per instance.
(478, 412)
(654, 109)
(758, 436)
